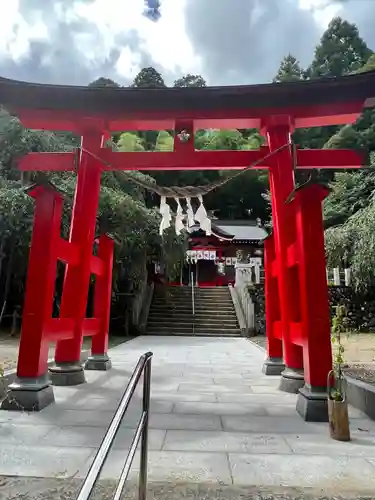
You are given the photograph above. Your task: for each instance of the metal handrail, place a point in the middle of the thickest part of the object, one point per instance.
(192, 293)
(143, 366)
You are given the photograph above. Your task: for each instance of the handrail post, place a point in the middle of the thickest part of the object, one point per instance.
(144, 439)
(192, 293)
(143, 366)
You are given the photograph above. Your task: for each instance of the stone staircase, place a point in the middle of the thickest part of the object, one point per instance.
(171, 312)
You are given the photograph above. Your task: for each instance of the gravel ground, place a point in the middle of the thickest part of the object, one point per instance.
(57, 489)
(363, 372)
(9, 349)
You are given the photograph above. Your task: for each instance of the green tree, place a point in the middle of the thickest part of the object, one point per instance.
(341, 51)
(164, 141)
(103, 82)
(369, 66)
(352, 191)
(350, 208)
(149, 78)
(129, 141)
(289, 71)
(223, 140)
(190, 81)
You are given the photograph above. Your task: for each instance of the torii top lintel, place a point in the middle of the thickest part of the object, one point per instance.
(326, 101)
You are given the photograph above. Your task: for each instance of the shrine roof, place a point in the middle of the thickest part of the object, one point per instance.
(242, 230)
(205, 105)
(237, 230)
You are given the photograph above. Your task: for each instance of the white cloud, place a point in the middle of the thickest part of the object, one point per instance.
(166, 40)
(323, 11)
(128, 63)
(16, 34)
(226, 41)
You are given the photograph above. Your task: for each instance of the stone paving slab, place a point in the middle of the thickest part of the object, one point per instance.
(204, 408)
(174, 466)
(215, 418)
(337, 473)
(44, 461)
(231, 442)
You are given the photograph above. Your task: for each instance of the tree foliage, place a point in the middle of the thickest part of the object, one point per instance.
(290, 70)
(190, 81)
(341, 51)
(149, 78)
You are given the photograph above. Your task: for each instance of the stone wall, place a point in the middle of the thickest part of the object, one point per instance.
(361, 310)
(257, 296)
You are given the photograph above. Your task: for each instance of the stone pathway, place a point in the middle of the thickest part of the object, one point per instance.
(215, 419)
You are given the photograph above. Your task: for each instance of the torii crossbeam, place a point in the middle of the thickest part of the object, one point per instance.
(295, 254)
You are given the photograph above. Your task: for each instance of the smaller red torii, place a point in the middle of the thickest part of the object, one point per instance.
(308, 317)
(39, 328)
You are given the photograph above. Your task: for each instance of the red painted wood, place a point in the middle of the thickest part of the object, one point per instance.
(46, 162)
(40, 285)
(82, 234)
(281, 186)
(316, 335)
(67, 252)
(273, 323)
(97, 266)
(194, 160)
(58, 329)
(164, 119)
(91, 327)
(103, 295)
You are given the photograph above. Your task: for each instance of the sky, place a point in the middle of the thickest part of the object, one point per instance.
(228, 42)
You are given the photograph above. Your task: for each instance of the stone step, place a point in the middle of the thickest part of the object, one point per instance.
(201, 324)
(195, 334)
(190, 329)
(188, 312)
(171, 313)
(181, 300)
(196, 292)
(182, 303)
(158, 314)
(187, 316)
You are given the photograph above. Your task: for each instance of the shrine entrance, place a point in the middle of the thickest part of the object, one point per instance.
(298, 322)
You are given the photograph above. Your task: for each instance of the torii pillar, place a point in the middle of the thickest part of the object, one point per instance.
(68, 369)
(278, 131)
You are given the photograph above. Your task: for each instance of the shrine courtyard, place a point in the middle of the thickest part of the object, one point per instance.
(215, 420)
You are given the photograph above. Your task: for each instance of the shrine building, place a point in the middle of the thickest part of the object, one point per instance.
(211, 259)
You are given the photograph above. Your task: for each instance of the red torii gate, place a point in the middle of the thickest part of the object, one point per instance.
(276, 109)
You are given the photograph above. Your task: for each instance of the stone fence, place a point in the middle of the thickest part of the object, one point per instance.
(249, 287)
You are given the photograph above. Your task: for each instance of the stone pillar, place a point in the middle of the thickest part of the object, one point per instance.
(316, 329)
(243, 274)
(347, 276)
(336, 276)
(31, 391)
(278, 130)
(68, 369)
(257, 274)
